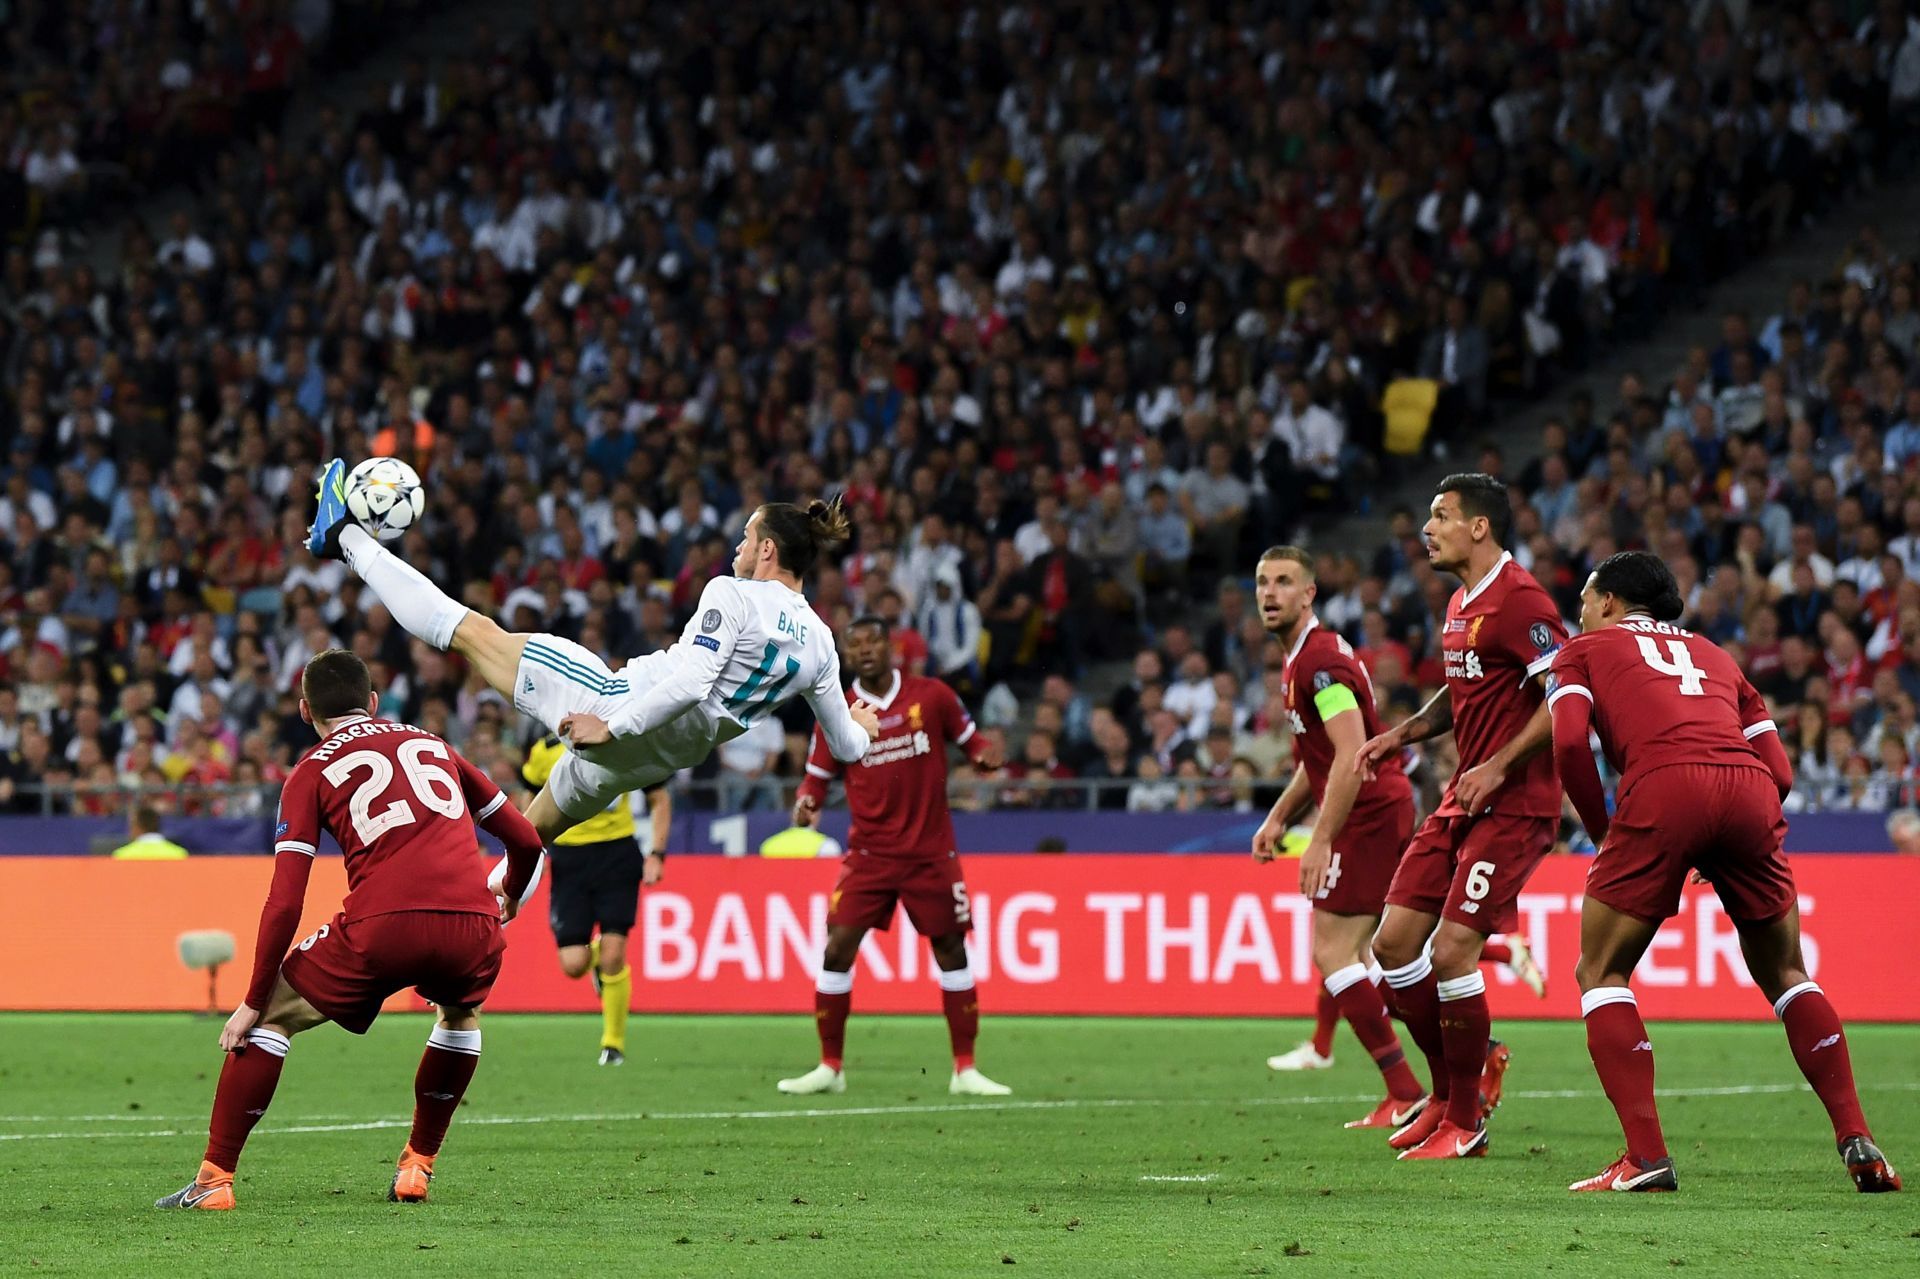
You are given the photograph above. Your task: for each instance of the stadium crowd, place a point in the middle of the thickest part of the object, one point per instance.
(1079, 306)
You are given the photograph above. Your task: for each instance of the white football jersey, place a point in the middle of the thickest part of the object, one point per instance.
(750, 646)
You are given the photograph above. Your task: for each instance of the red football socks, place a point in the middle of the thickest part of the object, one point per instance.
(446, 1068)
(1623, 1056)
(1820, 1050)
(1412, 994)
(961, 1004)
(832, 1001)
(1464, 1025)
(1358, 1000)
(245, 1090)
(1496, 952)
(1326, 1015)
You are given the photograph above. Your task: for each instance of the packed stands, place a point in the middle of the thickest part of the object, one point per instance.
(1080, 306)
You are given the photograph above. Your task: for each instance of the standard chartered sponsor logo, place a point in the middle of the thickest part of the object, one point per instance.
(891, 750)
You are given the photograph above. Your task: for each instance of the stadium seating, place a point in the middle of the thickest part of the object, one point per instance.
(1077, 313)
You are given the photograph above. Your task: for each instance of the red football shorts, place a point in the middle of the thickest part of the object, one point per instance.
(349, 967)
(930, 889)
(1471, 869)
(1364, 860)
(1725, 821)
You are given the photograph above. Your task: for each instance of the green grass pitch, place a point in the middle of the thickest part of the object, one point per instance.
(1131, 1148)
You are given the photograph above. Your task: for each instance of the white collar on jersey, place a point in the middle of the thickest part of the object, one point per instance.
(893, 691)
(1300, 641)
(1499, 567)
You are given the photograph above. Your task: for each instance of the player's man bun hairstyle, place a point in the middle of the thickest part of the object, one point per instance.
(801, 537)
(335, 683)
(1482, 497)
(1643, 580)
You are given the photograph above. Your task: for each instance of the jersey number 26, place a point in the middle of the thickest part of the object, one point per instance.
(431, 785)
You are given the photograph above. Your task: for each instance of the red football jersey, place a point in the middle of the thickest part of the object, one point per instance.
(402, 804)
(1497, 638)
(898, 792)
(1320, 660)
(1661, 696)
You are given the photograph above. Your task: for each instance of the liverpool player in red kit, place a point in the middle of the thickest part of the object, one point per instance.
(900, 849)
(1702, 773)
(402, 804)
(1363, 824)
(1461, 877)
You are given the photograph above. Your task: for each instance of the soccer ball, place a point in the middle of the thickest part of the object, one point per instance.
(384, 497)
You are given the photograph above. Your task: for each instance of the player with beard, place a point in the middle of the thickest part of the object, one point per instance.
(1363, 823)
(1460, 879)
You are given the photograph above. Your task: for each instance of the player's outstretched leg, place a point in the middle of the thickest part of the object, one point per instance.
(446, 1068)
(832, 1001)
(1512, 952)
(248, 1079)
(1819, 1044)
(1317, 1052)
(961, 1004)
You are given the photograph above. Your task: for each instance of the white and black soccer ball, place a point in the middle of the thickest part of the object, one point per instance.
(384, 497)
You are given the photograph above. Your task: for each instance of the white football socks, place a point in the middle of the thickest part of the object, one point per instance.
(423, 610)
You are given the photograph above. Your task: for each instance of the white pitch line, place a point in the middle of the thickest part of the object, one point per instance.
(941, 1108)
(1205, 1176)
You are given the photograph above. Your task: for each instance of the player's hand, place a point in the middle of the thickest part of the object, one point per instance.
(1697, 878)
(1314, 864)
(805, 812)
(233, 1035)
(992, 756)
(1266, 840)
(866, 717)
(509, 906)
(581, 730)
(652, 868)
(1376, 749)
(1475, 788)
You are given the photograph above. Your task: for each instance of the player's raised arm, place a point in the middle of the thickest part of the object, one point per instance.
(490, 809)
(691, 669)
(846, 737)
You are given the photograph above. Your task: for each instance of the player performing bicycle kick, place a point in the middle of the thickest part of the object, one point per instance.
(752, 643)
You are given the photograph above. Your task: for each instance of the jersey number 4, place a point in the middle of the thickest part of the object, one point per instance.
(1681, 667)
(431, 785)
(741, 702)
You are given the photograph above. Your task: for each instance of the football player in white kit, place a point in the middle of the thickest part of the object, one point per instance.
(753, 643)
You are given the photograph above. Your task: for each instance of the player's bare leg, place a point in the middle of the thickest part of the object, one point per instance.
(1400, 948)
(961, 1005)
(832, 1000)
(1819, 1044)
(1340, 953)
(545, 814)
(247, 1082)
(446, 1068)
(1611, 944)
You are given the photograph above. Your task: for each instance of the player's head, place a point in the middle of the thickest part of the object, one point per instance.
(1284, 588)
(1469, 510)
(784, 538)
(870, 648)
(335, 683)
(1626, 583)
